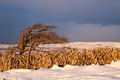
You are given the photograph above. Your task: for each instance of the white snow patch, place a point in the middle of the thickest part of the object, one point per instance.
(78, 45)
(55, 67)
(115, 64)
(92, 72)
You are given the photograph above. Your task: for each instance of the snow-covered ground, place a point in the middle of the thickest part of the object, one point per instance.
(92, 72)
(79, 45)
(4, 47)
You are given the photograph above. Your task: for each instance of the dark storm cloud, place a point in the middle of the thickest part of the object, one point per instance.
(12, 20)
(80, 11)
(91, 32)
(18, 14)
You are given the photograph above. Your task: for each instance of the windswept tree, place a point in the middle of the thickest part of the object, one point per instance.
(38, 34)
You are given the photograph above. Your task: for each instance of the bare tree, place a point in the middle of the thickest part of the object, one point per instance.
(38, 34)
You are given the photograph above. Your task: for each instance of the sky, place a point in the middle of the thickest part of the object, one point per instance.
(78, 20)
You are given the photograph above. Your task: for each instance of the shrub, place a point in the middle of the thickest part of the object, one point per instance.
(38, 34)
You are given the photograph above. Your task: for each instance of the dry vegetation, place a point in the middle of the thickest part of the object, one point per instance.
(42, 34)
(38, 34)
(38, 60)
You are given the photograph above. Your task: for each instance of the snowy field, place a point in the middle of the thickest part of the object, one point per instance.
(92, 72)
(4, 47)
(78, 45)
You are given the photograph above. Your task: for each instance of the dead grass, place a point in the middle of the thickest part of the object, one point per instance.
(38, 60)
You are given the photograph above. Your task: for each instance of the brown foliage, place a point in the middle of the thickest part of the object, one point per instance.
(38, 34)
(38, 60)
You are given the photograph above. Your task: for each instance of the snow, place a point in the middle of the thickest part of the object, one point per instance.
(68, 72)
(91, 72)
(4, 47)
(79, 45)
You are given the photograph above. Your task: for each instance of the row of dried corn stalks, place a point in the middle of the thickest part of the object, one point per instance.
(38, 60)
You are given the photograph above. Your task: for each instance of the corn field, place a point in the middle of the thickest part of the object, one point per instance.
(71, 56)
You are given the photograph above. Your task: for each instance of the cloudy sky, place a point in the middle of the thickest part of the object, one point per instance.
(79, 20)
